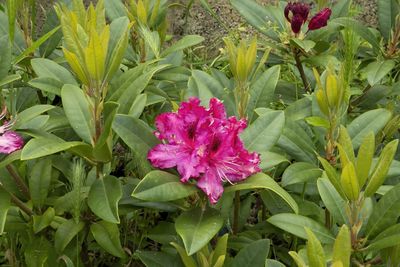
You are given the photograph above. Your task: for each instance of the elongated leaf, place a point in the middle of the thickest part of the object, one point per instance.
(299, 260)
(47, 84)
(387, 11)
(264, 132)
(39, 181)
(78, 111)
(315, 252)
(162, 186)
(46, 68)
(349, 182)
(332, 200)
(263, 181)
(106, 235)
(390, 237)
(262, 90)
(345, 141)
(186, 259)
(378, 176)
(9, 79)
(160, 259)
(5, 56)
(253, 255)
(300, 172)
(385, 213)
(103, 198)
(342, 247)
(5, 204)
(364, 158)
(373, 120)
(42, 221)
(30, 113)
(197, 227)
(185, 42)
(376, 71)
(295, 224)
(65, 233)
(332, 176)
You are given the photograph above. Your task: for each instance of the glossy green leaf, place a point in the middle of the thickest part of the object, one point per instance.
(378, 175)
(39, 181)
(342, 247)
(373, 120)
(5, 204)
(315, 252)
(390, 237)
(376, 71)
(332, 176)
(252, 255)
(264, 132)
(106, 235)
(345, 141)
(300, 172)
(103, 198)
(349, 182)
(263, 181)
(185, 42)
(187, 260)
(47, 84)
(42, 221)
(273, 263)
(65, 233)
(30, 113)
(332, 200)
(220, 249)
(197, 227)
(160, 259)
(295, 224)
(271, 159)
(385, 213)
(364, 158)
(297, 259)
(162, 186)
(46, 68)
(387, 12)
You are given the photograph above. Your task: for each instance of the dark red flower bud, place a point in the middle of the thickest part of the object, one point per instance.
(320, 19)
(297, 22)
(297, 14)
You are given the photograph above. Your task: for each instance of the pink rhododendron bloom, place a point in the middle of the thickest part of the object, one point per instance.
(9, 141)
(204, 145)
(320, 19)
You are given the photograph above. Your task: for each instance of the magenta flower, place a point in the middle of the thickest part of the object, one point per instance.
(9, 141)
(320, 19)
(204, 145)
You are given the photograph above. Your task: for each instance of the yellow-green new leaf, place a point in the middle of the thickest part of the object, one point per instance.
(378, 176)
(344, 158)
(186, 259)
(332, 176)
(342, 247)
(349, 182)
(315, 252)
(337, 264)
(364, 158)
(345, 142)
(322, 102)
(297, 259)
(220, 250)
(332, 90)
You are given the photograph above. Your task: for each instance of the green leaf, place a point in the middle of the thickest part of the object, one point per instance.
(264, 132)
(65, 233)
(390, 237)
(315, 252)
(263, 181)
(5, 204)
(345, 141)
(273, 263)
(106, 235)
(305, 45)
(332, 176)
(197, 227)
(138, 106)
(5, 56)
(349, 182)
(373, 120)
(187, 260)
(364, 158)
(9, 79)
(385, 213)
(39, 181)
(378, 176)
(47, 84)
(376, 71)
(42, 221)
(46, 68)
(342, 247)
(387, 12)
(300, 172)
(185, 42)
(295, 224)
(160, 259)
(220, 249)
(262, 90)
(103, 198)
(271, 159)
(30, 113)
(299, 260)
(318, 122)
(78, 111)
(252, 255)
(332, 200)
(160, 186)
(40, 147)
(35, 45)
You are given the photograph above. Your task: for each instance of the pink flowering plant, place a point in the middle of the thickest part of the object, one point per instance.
(204, 145)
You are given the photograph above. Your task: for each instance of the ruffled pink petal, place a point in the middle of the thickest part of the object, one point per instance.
(167, 156)
(211, 185)
(10, 141)
(217, 109)
(168, 125)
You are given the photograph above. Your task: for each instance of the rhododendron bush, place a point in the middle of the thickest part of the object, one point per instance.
(122, 144)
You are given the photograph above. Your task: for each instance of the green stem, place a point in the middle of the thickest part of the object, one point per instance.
(18, 202)
(22, 187)
(299, 65)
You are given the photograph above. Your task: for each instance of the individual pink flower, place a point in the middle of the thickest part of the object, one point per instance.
(9, 141)
(320, 19)
(204, 145)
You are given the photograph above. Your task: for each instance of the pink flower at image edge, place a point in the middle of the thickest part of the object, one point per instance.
(204, 145)
(10, 141)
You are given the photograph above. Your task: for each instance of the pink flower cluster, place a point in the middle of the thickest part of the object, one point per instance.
(204, 145)
(297, 15)
(9, 141)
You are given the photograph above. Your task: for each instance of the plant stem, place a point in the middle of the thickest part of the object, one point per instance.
(296, 54)
(22, 187)
(236, 212)
(18, 202)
